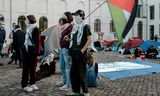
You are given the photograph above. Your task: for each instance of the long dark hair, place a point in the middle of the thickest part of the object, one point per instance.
(69, 17)
(32, 19)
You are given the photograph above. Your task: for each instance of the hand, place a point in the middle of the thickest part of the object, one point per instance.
(82, 51)
(66, 38)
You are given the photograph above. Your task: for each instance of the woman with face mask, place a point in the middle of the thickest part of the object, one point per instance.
(65, 62)
(30, 53)
(81, 38)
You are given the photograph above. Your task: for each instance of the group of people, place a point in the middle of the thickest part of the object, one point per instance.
(151, 53)
(74, 41)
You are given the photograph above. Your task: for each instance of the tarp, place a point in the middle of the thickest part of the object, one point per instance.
(133, 42)
(146, 44)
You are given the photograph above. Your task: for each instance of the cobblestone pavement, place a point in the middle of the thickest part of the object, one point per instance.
(148, 85)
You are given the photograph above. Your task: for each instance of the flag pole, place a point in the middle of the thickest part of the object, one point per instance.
(95, 9)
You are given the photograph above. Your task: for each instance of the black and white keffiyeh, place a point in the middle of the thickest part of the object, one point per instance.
(77, 28)
(29, 35)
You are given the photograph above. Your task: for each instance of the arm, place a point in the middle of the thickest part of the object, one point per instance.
(36, 38)
(89, 40)
(88, 34)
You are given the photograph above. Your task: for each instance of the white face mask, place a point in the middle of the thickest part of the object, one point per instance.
(26, 22)
(78, 19)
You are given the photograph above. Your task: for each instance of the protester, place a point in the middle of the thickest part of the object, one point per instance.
(65, 62)
(30, 52)
(11, 39)
(81, 38)
(47, 67)
(11, 52)
(152, 52)
(92, 76)
(18, 42)
(156, 37)
(2, 38)
(138, 52)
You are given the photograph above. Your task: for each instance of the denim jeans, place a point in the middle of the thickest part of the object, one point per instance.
(65, 66)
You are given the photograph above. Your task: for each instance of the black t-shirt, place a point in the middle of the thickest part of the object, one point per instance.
(86, 33)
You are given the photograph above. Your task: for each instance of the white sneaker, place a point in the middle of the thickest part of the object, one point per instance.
(86, 94)
(28, 89)
(65, 87)
(34, 87)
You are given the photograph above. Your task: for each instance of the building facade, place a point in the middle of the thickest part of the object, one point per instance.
(48, 12)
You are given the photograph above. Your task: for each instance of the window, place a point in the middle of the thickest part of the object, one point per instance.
(112, 27)
(43, 23)
(138, 11)
(140, 29)
(151, 12)
(151, 32)
(21, 22)
(97, 25)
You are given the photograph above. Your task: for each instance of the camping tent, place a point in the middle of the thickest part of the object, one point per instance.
(133, 42)
(146, 44)
(52, 40)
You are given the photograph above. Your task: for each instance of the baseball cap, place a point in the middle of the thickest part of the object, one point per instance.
(79, 12)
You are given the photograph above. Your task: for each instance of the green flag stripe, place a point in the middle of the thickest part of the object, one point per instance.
(119, 20)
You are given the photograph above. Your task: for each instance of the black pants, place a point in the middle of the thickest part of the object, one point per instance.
(29, 67)
(78, 72)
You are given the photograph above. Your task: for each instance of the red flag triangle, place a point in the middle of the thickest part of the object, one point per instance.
(123, 4)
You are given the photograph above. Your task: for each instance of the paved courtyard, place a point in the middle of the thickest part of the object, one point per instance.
(148, 85)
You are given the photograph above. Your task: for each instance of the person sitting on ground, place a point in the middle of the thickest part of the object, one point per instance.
(92, 77)
(47, 67)
(138, 52)
(152, 52)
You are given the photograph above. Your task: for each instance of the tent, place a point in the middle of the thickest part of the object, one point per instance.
(146, 44)
(52, 40)
(133, 42)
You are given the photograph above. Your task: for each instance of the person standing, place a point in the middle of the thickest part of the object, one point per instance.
(18, 42)
(81, 38)
(156, 38)
(30, 52)
(65, 62)
(2, 38)
(10, 52)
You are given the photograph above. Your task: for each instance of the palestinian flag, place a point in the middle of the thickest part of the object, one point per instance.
(123, 13)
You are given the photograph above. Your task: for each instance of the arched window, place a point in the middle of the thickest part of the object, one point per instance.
(43, 23)
(112, 27)
(97, 25)
(140, 29)
(21, 22)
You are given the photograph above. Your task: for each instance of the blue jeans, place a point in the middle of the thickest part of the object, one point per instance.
(65, 66)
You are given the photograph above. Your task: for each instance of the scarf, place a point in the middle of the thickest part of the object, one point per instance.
(29, 34)
(77, 28)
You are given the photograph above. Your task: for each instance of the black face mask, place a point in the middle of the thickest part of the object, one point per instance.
(64, 21)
